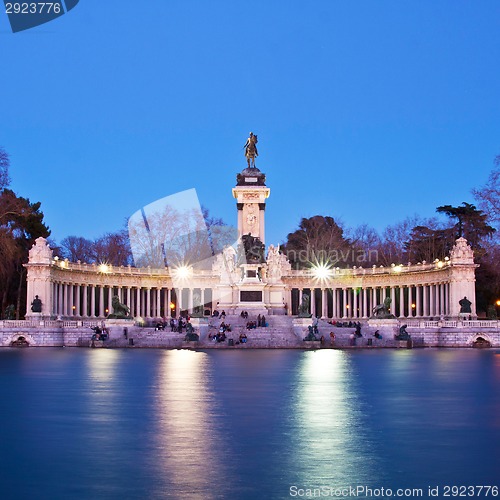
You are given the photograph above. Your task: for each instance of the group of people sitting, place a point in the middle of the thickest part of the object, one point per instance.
(177, 325)
(261, 322)
(216, 314)
(344, 324)
(218, 337)
(224, 327)
(99, 333)
(244, 314)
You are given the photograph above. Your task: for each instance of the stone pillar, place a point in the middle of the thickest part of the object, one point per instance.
(418, 310)
(393, 301)
(110, 297)
(190, 301)
(355, 303)
(92, 301)
(60, 302)
(69, 299)
(101, 302)
(312, 302)
(148, 302)
(426, 300)
(77, 299)
(301, 291)
(168, 299)
(432, 305)
(410, 301)
(139, 302)
(401, 301)
(365, 303)
(158, 302)
(324, 303)
(85, 301)
(129, 302)
(344, 303)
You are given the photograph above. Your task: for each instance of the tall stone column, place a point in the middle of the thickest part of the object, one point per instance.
(410, 301)
(401, 301)
(418, 310)
(78, 290)
(344, 304)
(365, 303)
(148, 302)
(85, 301)
(101, 301)
(354, 303)
(129, 302)
(92, 301)
(393, 301)
(324, 303)
(60, 302)
(110, 297)
(139, 302)
(158, 302)
(312, 302)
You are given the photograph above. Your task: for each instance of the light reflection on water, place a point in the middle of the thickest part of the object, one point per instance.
(189, 455)
(243, 425)
(330, 446)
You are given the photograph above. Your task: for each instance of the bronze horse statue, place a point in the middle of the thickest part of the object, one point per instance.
(251, 150)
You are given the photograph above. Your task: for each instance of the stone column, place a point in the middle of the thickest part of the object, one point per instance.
(418, 310)
(344, 303)
(190, 301)
(85, 301)
(301, 291)
(129, 302)
(110, 297)
(401, 301)
(168, 299)
(432, 305)
(60, 302)
(78, 290)
(324, 303)
(158, 302)
(101, 302)
(355, 303)
(69, 299)
(410, 301)
(426, 300)
(393, 301)
(312, 302)
(92, 301)
(148, 302)
(365, 303)
(139, 302)
(180, 301)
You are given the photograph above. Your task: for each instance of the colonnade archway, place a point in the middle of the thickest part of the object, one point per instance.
(407, 301)
(95, 301)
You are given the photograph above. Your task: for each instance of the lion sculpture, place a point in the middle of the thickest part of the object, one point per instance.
(119, 310)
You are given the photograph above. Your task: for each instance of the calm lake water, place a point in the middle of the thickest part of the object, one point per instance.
(91, 424)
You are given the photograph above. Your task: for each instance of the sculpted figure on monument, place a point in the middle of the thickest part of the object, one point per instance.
(383, 311)
(465, 306)
(304, 307)
(251, 150)
(274, 262)
(253, 249)
(119, 310)
(403, 334)
(36, 305)
(229, 258)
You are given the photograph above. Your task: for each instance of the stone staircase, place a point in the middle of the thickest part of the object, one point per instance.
(279, 333)
(343, 336)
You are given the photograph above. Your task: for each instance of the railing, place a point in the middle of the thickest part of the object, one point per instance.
(453, 324)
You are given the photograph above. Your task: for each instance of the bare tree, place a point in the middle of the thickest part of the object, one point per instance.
(488, 197)
(4, 168)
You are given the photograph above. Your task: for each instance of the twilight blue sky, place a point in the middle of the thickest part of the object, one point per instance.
(367, 111)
